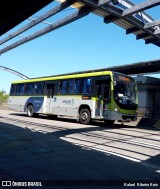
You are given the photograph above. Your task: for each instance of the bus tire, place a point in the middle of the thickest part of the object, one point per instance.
(85, 116)
(30, 111)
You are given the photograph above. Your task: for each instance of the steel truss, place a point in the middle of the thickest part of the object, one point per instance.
(123, 13)
(14, 72)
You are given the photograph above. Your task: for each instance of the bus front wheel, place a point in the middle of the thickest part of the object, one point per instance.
(85, 116)
(30, 111)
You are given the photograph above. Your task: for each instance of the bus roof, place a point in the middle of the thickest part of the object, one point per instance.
(71, 75)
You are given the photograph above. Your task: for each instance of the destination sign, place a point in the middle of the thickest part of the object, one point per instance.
(125, 78)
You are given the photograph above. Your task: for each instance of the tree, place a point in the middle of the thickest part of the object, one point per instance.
(3, 96)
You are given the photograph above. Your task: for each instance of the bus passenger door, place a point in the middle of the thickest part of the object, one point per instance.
(106, 99)
(103, 98)
(50, 89)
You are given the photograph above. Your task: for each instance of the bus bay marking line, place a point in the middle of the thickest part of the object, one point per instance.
(116, 154)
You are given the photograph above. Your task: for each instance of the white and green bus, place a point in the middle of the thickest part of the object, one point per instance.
(85, 96)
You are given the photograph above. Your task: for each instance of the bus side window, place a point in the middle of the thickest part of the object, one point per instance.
(70, 87)
(82, 86)
(77, 87)
(13, 89)
(86, 89)
(39, 88)
(29, 88)
(66, 86)
(20, 89)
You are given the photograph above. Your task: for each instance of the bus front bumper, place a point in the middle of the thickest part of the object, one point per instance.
(112, 115)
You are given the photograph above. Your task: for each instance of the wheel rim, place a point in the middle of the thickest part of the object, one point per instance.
(84, 116)
(30, 111)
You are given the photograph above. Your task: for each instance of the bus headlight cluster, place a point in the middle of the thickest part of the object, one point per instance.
(115, 109)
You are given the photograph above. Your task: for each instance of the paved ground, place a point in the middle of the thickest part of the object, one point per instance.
(65, 154)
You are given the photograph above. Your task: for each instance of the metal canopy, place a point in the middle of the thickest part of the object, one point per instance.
(14, 12)
(123, 13)
(140, 68)
(134, 69)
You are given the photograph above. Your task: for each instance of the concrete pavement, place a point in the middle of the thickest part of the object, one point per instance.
(28, 155)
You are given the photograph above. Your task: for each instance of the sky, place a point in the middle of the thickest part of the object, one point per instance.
(85, 44)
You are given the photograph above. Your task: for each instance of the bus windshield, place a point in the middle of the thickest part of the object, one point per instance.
(125, 92)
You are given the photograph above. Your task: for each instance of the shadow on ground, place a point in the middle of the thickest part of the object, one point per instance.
(150, 123)
(144, 123)
(35, 156)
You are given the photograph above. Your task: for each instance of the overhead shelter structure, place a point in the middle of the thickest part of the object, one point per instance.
(133, 69)
(139, 68)
(123, 13)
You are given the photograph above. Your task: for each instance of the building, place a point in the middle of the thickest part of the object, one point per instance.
(148, 96)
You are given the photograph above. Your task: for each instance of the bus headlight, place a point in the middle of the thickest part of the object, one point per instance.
(115, 109)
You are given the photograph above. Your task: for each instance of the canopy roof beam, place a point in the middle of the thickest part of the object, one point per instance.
(132, 20)
(152, 24)
(157, 32)
(85, 10)
(141, 36)
(123, 13)
(36, 21)
(140, 7)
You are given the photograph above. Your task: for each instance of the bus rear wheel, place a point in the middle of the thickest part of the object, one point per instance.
(85, 116)
(30, 111)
